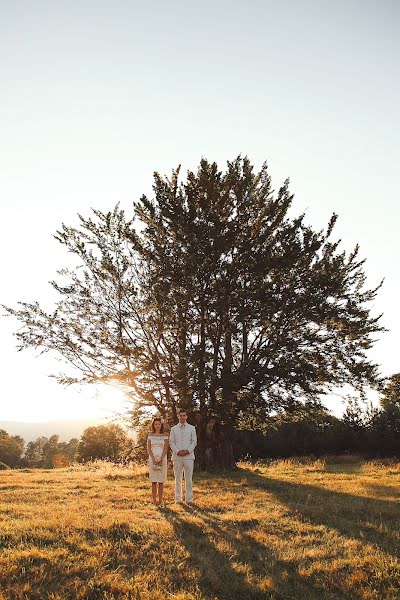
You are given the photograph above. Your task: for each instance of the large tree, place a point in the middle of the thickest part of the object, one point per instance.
(213, 297)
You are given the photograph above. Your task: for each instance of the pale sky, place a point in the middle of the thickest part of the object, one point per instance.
(97, 95)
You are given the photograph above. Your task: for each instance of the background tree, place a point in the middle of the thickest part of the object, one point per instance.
(104, 442)
(40, 452)
(307, 431)
(60, 460)
(11, 448)
(355, 422)
(219, 301)
(391, 393)
(50, 448)
(139, 450)
(385, 421)
(33, 456)
(69, 449)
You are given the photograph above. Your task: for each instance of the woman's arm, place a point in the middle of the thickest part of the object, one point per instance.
(149, 450)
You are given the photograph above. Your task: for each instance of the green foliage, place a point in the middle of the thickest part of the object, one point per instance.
(11, 448)
(40, 452)
(354, 418)
(385, 423)
(50, 449)
(304, 431)
(33, 456)
(143, 430)
(363, 429)
(104, 442)
(391, 393)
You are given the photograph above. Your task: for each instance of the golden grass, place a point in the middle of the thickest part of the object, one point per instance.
(293, 529)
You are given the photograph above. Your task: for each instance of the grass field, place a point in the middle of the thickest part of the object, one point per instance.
(288, 529)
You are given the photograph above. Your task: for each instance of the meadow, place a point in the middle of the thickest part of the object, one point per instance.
(294, 529)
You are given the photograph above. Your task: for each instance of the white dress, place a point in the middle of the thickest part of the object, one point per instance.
(157, 474)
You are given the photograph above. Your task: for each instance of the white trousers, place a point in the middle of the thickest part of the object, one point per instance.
(183, 467)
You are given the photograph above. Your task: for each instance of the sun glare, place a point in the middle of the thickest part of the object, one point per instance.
(59, 403)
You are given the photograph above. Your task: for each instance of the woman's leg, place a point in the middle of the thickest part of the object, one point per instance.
(154, 492)
(160, 492)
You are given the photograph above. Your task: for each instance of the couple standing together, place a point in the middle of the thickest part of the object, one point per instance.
(182, 440)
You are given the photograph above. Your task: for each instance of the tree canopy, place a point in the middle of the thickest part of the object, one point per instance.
(11, 448)
(211, 296)
(104, 442)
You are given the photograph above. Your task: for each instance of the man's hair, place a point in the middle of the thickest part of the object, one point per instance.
(181, 410)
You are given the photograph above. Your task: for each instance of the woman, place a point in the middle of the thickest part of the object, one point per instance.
(157, 447)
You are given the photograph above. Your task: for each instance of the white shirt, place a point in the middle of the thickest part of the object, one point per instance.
(183, 437)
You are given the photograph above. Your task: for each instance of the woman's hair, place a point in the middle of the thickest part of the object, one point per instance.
(153, 429)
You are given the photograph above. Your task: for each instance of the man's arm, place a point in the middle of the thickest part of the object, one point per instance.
(172, 440)
(193, 440)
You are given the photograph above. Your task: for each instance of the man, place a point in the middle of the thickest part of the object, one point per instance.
(183, 441)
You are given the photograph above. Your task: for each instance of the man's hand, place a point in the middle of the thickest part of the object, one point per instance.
(183, 452)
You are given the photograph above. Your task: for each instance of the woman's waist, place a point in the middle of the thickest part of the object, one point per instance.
(157, 449)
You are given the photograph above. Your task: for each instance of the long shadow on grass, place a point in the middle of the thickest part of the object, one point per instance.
(47, 577)
(218, 577)
(356, 517)
(381, 489)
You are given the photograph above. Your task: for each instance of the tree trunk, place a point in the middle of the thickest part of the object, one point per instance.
(181, 378)
(215, 447)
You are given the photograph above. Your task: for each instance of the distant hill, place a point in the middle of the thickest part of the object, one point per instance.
(66, 429)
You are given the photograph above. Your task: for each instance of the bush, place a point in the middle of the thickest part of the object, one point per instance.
(3, 466)
(60, 461)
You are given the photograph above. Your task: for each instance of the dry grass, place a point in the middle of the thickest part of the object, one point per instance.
(293, 529)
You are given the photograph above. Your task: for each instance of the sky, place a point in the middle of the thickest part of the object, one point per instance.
(95, 96)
